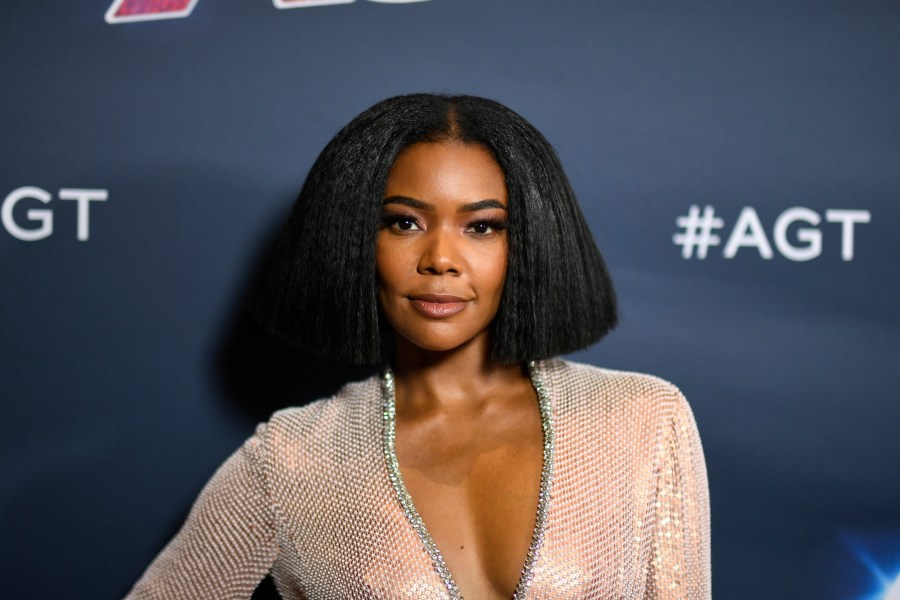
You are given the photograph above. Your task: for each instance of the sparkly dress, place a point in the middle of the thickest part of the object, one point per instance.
(315, 499)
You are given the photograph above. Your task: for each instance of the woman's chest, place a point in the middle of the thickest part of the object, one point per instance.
(347, 534)
(477, 493)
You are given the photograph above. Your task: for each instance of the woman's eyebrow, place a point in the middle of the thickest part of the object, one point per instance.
(408, 202)
(481, 205)
(468, 207)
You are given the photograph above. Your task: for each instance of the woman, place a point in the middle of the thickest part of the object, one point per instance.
(439, 236)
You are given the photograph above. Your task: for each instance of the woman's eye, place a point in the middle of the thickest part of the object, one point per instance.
(401, 223)
(486, 227)
(406, 224)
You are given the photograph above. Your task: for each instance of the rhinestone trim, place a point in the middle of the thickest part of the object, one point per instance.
(389, 416)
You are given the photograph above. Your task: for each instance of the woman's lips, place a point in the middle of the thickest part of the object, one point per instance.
(438, 306)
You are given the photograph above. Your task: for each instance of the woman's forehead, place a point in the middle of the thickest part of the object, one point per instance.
(446, 170)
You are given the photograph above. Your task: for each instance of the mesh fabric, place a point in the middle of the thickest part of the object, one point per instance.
(308, 500)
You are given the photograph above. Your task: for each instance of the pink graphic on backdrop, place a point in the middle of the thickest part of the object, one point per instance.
(123, 11)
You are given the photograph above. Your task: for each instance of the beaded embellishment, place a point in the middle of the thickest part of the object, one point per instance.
(389, 416)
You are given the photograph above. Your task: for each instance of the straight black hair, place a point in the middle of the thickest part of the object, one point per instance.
(318, 290)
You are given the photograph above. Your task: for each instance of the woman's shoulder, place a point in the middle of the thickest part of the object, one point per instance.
(579, 386)
(320, 423)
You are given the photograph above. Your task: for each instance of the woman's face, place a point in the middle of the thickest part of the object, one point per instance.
(442, 246)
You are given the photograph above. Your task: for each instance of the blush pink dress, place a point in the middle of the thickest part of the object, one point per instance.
(309, 499)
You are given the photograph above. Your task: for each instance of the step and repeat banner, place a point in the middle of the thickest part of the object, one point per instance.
(738, 163)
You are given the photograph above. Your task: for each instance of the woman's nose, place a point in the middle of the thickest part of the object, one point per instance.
(438, 254)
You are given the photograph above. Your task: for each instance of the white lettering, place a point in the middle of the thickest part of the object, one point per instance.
(42, 215)
(847, 219)
(812, 237)
(83, 198)
(748, 231)
(302, 3)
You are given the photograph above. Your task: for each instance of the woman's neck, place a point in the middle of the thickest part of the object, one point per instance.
(457, 381)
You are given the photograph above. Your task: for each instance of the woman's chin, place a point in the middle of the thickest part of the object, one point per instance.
(433, 347)
(437, 345)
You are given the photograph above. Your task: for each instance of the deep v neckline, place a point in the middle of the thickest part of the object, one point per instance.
(389, 416)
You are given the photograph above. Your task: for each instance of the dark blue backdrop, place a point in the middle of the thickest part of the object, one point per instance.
(129, 372)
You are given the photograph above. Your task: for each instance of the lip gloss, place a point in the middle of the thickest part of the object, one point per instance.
(438, 310)
(437, 306)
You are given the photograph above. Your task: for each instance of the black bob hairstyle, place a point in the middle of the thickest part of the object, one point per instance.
(318, 290)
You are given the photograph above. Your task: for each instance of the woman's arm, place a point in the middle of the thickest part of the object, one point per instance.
(680, 550)
(227, 544)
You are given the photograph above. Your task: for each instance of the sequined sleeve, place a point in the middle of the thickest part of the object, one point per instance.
(227, 544)
(680, 557)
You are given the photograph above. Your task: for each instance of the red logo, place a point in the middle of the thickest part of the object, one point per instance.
(125, 11)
